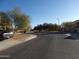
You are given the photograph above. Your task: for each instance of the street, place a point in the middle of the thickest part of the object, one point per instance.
(45, 46)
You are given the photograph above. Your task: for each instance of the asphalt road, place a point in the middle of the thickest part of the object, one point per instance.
(45, 46)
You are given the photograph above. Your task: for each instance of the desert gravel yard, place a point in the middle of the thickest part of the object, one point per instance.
(17, 39)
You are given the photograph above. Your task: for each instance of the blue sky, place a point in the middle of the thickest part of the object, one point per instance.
(41, 11)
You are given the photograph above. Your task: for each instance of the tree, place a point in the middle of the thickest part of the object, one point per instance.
(22, 21)
(46, 27)
(76, 24)
(5, 21)
(67, 25)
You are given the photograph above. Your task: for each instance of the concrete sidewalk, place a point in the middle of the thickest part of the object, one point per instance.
(12, 42)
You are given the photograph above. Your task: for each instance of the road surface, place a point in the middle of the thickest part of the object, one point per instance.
(45, 46)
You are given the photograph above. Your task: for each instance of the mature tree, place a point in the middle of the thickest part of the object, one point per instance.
(22, 21)
(67, 25)
(46, 27)
(76, 24)
(5, 21)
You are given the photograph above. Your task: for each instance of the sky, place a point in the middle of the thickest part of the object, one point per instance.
(45, 11)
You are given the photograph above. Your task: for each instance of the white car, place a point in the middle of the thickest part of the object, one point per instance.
(8, 34)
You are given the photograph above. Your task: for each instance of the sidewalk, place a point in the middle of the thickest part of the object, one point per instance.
(17, 39)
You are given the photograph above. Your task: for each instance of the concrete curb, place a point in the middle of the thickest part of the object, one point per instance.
(10, 43)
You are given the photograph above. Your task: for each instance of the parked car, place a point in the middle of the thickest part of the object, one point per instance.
(6, 34)
(1, 33)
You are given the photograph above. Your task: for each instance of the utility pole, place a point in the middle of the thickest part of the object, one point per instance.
(0, 22)
(0, 19)
(58, 20)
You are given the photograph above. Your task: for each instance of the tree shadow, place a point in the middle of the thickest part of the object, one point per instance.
(2, 39)
(72, 36)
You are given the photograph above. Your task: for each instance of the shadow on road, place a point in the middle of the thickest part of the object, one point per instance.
(2, 39)
(73, 36)
(70, 37)
(46, 33)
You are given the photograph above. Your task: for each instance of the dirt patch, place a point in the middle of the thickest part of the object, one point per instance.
(20, 36)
